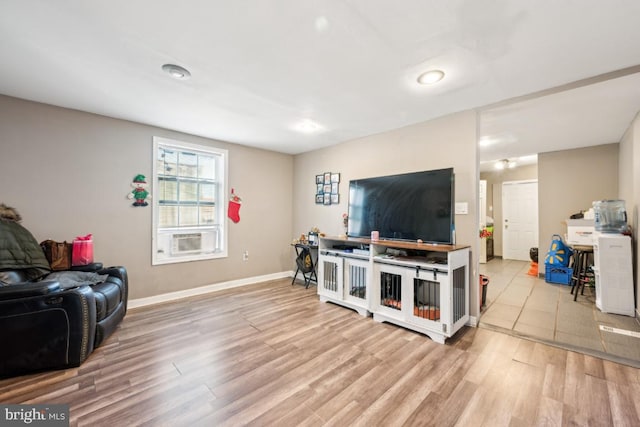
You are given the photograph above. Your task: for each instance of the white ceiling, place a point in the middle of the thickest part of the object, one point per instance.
(592, 114)
(260, 67)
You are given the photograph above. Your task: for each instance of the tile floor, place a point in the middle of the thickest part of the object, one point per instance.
(529, 307)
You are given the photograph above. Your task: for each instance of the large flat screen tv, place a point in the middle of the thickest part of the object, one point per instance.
(412, 206)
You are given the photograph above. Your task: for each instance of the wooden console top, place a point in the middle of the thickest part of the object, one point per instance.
(402, 244)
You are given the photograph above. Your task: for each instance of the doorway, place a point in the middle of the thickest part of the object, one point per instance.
(519, 219)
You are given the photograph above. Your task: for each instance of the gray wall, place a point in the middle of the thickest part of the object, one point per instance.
(446, 142)
(68, 173)
(568, 182)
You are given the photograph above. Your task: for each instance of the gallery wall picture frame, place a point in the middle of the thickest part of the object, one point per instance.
(327, 188)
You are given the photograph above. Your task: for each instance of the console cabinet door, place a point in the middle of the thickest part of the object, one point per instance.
(428, 299)
(356, 279)
(391, 287)
(330, 276)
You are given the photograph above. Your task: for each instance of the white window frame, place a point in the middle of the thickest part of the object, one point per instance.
(166, 240)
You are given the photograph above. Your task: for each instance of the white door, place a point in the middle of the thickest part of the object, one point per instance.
(519, 219)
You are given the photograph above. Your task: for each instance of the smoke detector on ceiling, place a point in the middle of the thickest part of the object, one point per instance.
(176, 71)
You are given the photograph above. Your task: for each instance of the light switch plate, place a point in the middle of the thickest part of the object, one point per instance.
(462, 208)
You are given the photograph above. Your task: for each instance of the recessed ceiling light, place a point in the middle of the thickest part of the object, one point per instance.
(430, 77)
(307, 126)
(176, 71)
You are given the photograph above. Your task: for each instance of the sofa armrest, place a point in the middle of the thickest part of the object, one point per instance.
(94, 266)
(121, 273)
(26, 290)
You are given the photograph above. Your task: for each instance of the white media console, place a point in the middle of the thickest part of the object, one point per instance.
(422, 287)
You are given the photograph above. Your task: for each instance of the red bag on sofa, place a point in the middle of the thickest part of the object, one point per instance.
(82, 253)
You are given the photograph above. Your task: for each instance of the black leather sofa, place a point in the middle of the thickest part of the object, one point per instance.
(44, 326)
(56, 319)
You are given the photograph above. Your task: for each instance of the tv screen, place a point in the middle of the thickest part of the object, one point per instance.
(411, 206)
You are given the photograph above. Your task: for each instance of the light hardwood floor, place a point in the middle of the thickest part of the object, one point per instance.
(272, 354)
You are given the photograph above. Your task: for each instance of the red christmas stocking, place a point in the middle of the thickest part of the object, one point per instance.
(233, 212)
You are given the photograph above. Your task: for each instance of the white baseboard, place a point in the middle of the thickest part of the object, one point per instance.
(172, 296)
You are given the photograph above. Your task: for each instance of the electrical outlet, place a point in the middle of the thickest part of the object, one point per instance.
(245, 256)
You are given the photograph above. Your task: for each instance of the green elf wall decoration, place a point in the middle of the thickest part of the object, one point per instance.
(139, 192)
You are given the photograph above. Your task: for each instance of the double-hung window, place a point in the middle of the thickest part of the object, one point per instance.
(189, 188)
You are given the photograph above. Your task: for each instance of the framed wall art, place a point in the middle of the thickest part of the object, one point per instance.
(327, 188)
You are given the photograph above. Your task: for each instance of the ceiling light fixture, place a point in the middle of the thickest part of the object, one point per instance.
(430, 77)
(176, 71)
(505, 164)
(307, 126)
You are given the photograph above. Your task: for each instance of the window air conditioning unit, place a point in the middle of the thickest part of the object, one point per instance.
(187, 243)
